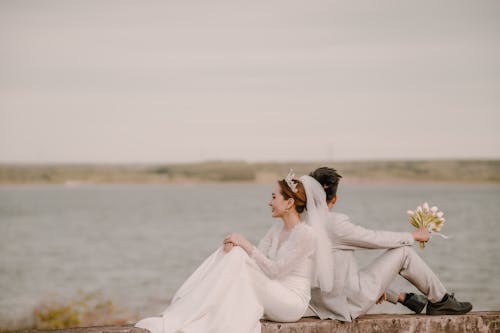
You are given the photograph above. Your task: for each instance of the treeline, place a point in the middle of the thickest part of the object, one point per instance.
(463, 171)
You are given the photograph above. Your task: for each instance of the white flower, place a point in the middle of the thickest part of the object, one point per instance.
(424, 217)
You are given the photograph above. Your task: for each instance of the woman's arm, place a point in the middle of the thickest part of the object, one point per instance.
(301, 246)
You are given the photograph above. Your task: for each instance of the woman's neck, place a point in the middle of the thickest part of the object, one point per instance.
(291, 220)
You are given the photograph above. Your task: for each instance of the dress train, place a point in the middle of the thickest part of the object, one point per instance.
(230, 292)
(218, 297)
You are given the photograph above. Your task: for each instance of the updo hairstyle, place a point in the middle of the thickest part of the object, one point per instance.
(299, 197)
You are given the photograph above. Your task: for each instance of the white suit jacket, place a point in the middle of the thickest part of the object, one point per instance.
(347, 237)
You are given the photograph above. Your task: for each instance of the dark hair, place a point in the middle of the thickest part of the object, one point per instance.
(299, 197)
(329, 179)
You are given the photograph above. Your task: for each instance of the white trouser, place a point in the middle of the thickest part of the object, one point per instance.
(376, 278)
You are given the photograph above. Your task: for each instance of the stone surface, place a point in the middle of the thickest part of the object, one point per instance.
(386, 323)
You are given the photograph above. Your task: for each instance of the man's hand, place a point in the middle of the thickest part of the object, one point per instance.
(421, 235)
(382, 298)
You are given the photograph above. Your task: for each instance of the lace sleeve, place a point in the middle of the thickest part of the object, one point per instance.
(299, 247)
(266, 242)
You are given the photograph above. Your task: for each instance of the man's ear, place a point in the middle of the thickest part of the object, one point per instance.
(332, 202)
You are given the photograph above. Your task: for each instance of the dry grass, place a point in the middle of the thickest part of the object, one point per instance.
(88, 309)
(460, 171)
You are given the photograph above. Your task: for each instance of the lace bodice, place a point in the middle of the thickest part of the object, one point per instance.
(293, 257)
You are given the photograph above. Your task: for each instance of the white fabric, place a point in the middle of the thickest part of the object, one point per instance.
(376, 278)
(355, 290)
(230, 292)
(315, 215)
(345, 235)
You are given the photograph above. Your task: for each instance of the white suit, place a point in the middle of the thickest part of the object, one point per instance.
(355, 291)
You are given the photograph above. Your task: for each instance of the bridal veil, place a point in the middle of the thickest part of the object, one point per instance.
(316, 215)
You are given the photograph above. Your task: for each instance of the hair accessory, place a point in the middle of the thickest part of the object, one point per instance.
(290, 182)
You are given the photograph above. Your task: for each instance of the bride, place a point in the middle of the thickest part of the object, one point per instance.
(240, 283)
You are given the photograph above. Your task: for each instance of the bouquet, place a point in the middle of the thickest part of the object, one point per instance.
(430, 218)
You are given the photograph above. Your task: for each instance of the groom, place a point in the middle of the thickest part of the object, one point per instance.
(356, 290)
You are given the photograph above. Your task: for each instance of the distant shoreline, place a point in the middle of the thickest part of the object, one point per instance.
(406, 172)
(201, 182)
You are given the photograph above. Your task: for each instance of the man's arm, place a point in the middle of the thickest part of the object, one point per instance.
(347, 235)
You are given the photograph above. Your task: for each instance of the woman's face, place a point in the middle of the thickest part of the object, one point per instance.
(278, 204)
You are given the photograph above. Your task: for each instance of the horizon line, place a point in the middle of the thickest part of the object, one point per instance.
(124, 163)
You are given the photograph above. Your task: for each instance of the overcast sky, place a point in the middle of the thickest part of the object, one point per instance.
(177, 81)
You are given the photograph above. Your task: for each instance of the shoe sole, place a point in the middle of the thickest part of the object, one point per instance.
(448, 313)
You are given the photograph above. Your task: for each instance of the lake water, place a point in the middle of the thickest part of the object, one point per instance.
(137, 243)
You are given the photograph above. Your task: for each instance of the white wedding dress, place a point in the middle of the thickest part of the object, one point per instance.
(230, 292)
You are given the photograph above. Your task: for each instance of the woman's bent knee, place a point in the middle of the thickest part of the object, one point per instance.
(239, 251)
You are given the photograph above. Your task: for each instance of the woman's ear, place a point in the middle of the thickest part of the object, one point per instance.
(291, 202)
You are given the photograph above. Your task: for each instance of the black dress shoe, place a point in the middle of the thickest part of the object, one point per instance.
(448, 306)
(415, 302)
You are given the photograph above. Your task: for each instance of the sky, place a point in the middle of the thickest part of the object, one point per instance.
(185, 81)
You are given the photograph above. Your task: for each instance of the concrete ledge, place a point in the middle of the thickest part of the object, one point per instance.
(389, 323)
(386, 323)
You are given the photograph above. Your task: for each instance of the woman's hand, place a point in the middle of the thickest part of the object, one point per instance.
(421, 235)
(238, 240)
(228, 247)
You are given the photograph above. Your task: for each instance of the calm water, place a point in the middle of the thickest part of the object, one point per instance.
(137, 243)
